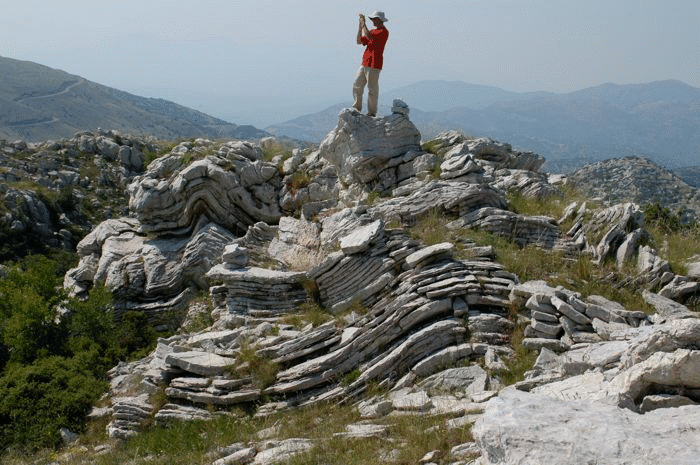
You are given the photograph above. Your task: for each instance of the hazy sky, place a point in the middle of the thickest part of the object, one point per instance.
(262, 62)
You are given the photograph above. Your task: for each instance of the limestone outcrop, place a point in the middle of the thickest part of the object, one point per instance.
(232, 188)
(320, 291)
(365, 149)
(52, 193)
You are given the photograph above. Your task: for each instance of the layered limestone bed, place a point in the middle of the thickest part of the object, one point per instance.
(611, 385)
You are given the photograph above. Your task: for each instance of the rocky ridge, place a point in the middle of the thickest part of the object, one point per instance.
(638, 180)
(331, 228)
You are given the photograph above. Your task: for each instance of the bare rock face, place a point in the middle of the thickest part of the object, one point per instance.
(539, 230)
(233, 188)
(361, 147)
(150, 274)
(259, 291)
(458, 198)
(523, 428)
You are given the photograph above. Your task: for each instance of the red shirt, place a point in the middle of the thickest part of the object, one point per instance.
(373, 56)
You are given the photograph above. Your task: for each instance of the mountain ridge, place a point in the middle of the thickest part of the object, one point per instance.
(39, 102)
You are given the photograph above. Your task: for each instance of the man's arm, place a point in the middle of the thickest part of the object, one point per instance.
(362, 31)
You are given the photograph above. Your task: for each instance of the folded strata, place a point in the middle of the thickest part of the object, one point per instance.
(331, 230)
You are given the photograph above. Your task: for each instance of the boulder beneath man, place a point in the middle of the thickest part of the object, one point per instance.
(361, 146)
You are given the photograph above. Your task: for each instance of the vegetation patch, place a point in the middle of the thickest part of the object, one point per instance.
(523, 359)
(432, 146)
(673, 239)
(55, 352)
(262, 370)
(299, 180)
(431, 228)
(271, 149)
(307, 313)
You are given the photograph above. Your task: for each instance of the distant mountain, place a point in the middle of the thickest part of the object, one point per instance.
(445, 95)
(690, 174)
(312, 127)
(38, 103)
(659, 120)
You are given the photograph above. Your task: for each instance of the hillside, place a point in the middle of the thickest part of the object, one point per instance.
(658, 120)
(637, 180)
(373, 299)
(39, 103)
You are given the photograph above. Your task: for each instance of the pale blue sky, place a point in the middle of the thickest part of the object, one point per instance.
(262, 62)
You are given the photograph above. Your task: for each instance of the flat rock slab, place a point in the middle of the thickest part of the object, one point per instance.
(279, 451)
(411, 401)
(667, 308)
(426, 253)
(375, 408)
(254, 274)
(242, 456)
(200, 363)
(360, 238)
(536, 343)
(449, 405)
(521, 428)
(207, 398)
(470, 380)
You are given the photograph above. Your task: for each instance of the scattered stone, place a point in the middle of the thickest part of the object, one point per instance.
(278, 451)
(658, 401)
(68, 436)
(364, 430)
(242, 456)
(466, 450)
(433, 252)
(667, 308)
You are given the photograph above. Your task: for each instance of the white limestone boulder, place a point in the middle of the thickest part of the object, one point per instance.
(361, 146)
(529, 429)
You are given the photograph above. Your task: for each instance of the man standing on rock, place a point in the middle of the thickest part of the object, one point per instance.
(372, 60)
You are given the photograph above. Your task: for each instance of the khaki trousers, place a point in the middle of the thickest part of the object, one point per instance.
(366, 77)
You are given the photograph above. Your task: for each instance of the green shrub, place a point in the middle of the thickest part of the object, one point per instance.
(522, 361)
(55, 351)
(36, 400)
(28, 310)
(308, 312)
(272, 149)
(662, 217)
(673, 239)
(432, 146)
(372, 197)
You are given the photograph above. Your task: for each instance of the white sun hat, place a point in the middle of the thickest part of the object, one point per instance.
(379, 15)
